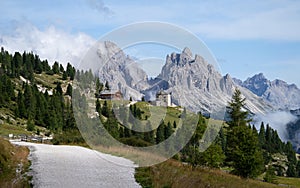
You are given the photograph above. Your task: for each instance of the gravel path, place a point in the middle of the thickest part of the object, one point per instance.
(74, 166)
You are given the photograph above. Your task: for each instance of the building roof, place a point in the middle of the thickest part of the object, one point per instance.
(161, 92)
(109, 92)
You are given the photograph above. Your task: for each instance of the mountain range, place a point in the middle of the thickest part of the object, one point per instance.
(193, 83)
(278, 93)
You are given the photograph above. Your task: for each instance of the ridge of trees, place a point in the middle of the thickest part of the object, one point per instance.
(53, 112)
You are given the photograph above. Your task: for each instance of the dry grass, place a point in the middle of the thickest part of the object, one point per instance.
(140, 158)
(15, 164)
(175, 174)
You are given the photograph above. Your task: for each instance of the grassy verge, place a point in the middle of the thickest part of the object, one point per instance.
(291, 182)
(174, 174)
(13, 165)
(6, 129)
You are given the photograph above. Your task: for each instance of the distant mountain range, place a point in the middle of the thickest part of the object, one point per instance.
(278, 93)
(193, 82)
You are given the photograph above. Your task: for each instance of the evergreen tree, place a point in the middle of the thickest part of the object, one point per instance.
(213, 156)
(61, 68)
(71, 71)
(16, 65)
(174, 125)
(64, 75)
(235, 110)
(222, 138)
(58, 89)
(38, 68)
(69, 90)
(127, 132)
(243, 151)
(168, 130)
(160, 132)
(105, 109)
(298, 169)
(270, 175)
(55, 68)
(111, 125)
(98, 106)
(20, 110)
(262, 135)
(149, 135)
(107, 86)
(30, 125)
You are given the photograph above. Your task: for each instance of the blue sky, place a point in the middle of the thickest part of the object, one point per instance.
(246, 37)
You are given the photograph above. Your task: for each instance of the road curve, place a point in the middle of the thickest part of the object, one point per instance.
(74, 166)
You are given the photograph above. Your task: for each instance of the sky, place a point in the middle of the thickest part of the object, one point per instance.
(246, 37)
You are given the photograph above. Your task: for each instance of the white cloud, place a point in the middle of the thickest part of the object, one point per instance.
(277, 120)
(51, 43)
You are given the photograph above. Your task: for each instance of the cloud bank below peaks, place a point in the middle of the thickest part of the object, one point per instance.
(276, 120)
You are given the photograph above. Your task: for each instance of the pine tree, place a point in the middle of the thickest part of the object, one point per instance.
(174, 125)
(213, 156)
(61, 68)
(168, 130)
(20, 110)
(107, 86)
(38, 68)
(235, 110)
(243, 151)
(30, 125)
(98, 106)
(58, 89)
(262, 135)
(127, 132)
(64, 75)
(105, 109)
(55, 68)
(71, 71)
(298, 169)
(69, 90)
(160, 132)
(149, 134)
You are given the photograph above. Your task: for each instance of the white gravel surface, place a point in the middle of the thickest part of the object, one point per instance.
(74, 166)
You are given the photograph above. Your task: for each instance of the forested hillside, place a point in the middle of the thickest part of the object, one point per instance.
(36, 98)
(35, 95)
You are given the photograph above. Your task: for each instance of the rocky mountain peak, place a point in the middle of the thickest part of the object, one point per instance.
(187, 52)
(258, 84)
(107, 50)
(278, 93)
(119, 70)
(193, 82)
(197, 85)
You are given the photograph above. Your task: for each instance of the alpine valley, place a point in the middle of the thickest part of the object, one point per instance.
(193, 83)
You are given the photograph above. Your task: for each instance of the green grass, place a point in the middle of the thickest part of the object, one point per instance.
(48, 81)
(291, 182)
(169, 114)
(6, 129)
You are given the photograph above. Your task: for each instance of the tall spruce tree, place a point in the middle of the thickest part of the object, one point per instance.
(160, 136)
(243, 151)
(237, 115)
